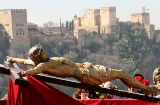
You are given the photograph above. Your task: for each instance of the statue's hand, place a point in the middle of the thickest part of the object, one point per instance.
(21, 74)
(9, 59)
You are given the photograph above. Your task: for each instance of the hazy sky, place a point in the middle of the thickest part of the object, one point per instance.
(42, 11)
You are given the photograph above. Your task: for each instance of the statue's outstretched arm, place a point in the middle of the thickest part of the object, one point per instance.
(38, 69)
(19, 60)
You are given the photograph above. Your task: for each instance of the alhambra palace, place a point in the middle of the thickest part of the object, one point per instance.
(18, 35)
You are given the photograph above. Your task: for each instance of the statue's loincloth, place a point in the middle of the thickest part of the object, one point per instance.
(95, 74)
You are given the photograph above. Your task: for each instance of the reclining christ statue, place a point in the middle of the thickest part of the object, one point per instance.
(84, 72)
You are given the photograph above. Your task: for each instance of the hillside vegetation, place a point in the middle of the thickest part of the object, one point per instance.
(131, 51)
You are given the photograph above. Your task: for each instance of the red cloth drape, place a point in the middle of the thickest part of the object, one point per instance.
(106, 102)
(37, 93)
(3, 102)
(115, 102)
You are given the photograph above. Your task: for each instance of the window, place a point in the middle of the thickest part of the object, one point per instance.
(6, 25)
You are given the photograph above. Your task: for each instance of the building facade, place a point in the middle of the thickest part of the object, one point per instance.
(144, 19)
(105, 18)
(15, 23)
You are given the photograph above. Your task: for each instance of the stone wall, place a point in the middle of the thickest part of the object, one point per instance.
(144, 19)
(106, 18)
(15, 23)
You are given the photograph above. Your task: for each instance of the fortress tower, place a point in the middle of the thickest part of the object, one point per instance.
(106, 18)
(15, 23)
(88, 23)
(144, 19)
(92, 17)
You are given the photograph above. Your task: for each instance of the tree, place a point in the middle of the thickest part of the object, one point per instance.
(99, 29)
(70, 26)
(110, 40)
(133, 45)
(71, 55)
(48, 25)
(60, 25)
(94, 33)
(67, 25)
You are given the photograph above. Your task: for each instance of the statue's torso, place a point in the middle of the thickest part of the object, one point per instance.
(57, 68)
(95, 74)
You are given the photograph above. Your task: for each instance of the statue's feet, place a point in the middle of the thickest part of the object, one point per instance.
(152, 89)
(157, 86)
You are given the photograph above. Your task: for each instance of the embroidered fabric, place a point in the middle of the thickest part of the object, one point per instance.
(95, 74)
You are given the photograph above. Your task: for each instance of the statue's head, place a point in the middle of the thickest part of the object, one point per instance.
(37, 54)
(156, 76)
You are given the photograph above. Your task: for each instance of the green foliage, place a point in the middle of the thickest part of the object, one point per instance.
(94, 33)
(62, 34)
(67, 25)
(137, 71)
(50, 49)
(134, 45)
(72, 24)
(1, 60)
(94, 47)
(156, 49)
(110, 41)
(61, 49)
(99, 31)
(70, 27)
(71, 55)
(158, 39)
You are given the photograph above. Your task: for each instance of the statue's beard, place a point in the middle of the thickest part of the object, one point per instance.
(35, 60)
(39, 58)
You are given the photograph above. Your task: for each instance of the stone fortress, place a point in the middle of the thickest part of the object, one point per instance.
(106, 18)
(14, 21)
(144, 19)
(23, 35)
(108, 22)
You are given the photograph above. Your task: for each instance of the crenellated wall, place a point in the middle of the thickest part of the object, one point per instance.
(106, 18)
(15, 23)
(144, 19)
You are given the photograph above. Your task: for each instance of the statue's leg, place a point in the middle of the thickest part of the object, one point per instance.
(130, 81)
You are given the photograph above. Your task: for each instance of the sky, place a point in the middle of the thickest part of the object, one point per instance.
(42, 11)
